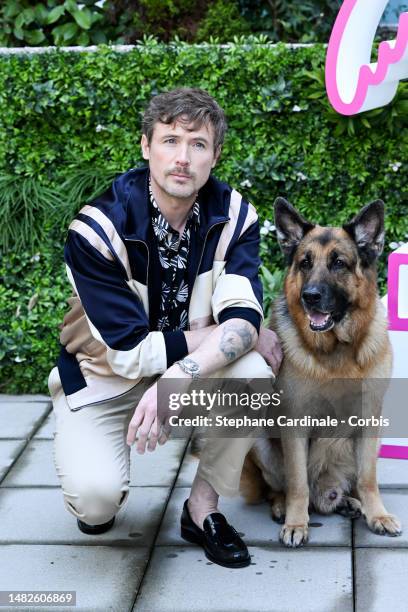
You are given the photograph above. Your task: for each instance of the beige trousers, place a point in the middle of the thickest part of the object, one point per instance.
(92, 458)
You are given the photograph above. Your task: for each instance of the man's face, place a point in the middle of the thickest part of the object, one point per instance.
(180, 159)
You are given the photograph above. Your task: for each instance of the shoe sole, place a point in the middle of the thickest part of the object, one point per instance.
(95, 530)
(191, 537)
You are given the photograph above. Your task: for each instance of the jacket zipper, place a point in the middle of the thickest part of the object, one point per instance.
(148, 255)
(202, 253)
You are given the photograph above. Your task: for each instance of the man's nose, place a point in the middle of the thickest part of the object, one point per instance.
(183, 156)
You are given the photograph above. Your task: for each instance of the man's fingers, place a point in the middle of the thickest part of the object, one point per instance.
(165, 432)
(141, 440)
(154, 434)
(134, 425)
(163, 438)
(144, 430)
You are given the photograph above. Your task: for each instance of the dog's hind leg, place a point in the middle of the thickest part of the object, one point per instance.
(252, 486)
(278, 506)
(349, 507)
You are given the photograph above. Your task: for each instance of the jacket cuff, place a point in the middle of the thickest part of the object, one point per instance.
(176, 346)
(249, 314)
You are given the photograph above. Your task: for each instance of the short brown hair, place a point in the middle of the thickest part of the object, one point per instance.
(191, 105)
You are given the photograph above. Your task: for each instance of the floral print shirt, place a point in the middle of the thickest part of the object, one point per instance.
(173, 254)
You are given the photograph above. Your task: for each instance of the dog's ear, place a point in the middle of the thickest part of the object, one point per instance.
(291, 227)
(367, 231)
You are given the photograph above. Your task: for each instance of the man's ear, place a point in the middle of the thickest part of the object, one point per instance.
(367, 231)
(216, 156)
(291, 227)
(145, 147)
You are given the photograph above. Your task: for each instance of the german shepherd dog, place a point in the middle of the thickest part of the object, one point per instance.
(332, 326)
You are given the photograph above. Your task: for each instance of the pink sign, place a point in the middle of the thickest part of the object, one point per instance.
(395, 320)
(353, 83)
(393, 451)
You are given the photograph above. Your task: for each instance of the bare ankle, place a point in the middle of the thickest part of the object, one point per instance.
(203, 501)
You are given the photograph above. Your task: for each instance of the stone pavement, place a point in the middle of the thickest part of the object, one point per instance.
(143, 565)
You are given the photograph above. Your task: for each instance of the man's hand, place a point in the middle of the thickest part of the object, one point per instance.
(269, 347)
(144, 421)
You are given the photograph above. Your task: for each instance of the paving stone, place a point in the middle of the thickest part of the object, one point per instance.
(39, 516)
(9, 449)
(25, 397)
(104, 578)
(158, 468)
(381, 580)
(255, 524)
(36, 466)
(19, 419)
(395, 502)
(392, 473)
(46, 431)
(182, 580)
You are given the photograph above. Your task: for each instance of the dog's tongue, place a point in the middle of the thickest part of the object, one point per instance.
(318, 318)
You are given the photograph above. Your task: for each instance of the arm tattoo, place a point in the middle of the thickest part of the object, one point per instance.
(236, 340)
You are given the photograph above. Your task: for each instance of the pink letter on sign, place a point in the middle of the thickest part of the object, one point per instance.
(398, 291)
(353, 83)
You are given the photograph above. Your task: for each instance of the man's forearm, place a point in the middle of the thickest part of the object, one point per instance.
(196, 337)
(226, 343)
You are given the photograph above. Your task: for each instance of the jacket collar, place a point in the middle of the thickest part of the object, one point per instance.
(212, 197)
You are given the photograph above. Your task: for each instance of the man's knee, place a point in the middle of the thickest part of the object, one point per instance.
(95, 501)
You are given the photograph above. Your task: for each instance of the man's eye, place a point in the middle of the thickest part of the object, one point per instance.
(170, 140)
(200, 145)
(305, 264)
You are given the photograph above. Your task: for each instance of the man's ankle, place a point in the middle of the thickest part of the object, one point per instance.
(203, 501)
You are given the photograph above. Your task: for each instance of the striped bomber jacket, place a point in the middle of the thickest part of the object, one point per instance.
(108, 338)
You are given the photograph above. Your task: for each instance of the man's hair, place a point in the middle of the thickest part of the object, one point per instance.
(188, 105)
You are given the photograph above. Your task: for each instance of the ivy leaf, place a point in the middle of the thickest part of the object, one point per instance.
(64, 33)
(27, 15)
(12, 9)
(35, 37)
(19, 33)
(99, 37)
(55, 14)
(19, 22)
(41, 14)
(83, 39)
(83, 18)
(71, 5)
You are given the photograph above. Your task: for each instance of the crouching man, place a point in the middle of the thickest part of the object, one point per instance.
(164, 271)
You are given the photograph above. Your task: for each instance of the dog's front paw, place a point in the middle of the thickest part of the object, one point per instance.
(388, 524)
(293, 536)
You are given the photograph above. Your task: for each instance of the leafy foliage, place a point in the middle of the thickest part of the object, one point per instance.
(84, 22)
(280, 20)
(73, 122)
(52, 22)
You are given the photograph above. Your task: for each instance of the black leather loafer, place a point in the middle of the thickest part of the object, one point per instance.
(220, 541)
(95, 529)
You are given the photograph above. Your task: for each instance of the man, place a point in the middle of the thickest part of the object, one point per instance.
(164, 268)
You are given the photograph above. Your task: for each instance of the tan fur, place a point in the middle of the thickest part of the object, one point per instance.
(309, 472)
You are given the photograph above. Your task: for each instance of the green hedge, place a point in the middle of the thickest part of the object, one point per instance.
(71, 121)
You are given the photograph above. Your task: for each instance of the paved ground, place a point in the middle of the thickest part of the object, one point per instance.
(143, 565)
